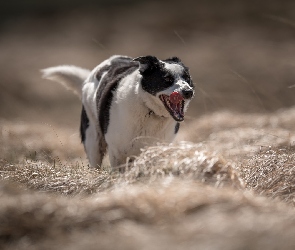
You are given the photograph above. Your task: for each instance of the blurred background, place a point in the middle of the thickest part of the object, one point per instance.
(241, 53)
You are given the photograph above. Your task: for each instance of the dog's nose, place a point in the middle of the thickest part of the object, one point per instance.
(187, 93)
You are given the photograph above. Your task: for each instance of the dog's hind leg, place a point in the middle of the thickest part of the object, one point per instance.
(94, 143)
(95, 146)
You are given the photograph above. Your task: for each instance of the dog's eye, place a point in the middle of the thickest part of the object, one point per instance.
(169, 79)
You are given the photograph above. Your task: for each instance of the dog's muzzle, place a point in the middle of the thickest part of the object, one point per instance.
(174, 103)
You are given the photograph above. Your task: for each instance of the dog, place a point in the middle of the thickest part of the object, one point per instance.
(127, 103)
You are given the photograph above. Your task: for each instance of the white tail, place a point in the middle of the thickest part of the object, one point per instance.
(71, 77)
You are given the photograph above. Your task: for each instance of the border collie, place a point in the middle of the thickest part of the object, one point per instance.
(127, 103)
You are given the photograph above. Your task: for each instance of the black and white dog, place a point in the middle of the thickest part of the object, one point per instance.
(127, 103)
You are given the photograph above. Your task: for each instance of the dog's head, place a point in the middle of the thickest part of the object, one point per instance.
(169, 82)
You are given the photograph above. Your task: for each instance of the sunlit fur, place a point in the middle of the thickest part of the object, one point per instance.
(137, 118)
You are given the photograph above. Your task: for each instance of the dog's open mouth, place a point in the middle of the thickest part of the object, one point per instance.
(174, 108)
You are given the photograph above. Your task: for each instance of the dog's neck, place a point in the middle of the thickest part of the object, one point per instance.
(153, 104)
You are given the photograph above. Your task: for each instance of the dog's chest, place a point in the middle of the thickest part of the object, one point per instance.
(133, 126)
(135, 120)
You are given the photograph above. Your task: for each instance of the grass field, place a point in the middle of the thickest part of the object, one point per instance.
(233, 190)
(227, 182)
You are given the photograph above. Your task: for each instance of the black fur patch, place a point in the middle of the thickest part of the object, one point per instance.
(174, 59)
(119, 68)
(156, 78)
(176, 128)
(100, 72)
(84, 124)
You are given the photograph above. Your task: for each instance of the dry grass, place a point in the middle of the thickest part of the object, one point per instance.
(272, 173)
(184, 160)
(237, 135)
(64, 179)
(180, 196)
(170, 214)
(36, 141)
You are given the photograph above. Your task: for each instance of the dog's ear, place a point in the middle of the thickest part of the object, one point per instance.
(173, 59)
(147, 63)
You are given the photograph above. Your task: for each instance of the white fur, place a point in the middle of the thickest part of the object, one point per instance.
(132, 125)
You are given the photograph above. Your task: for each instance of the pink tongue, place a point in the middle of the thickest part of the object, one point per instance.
(175, 98)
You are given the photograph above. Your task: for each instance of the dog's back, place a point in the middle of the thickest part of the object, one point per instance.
(109, 78)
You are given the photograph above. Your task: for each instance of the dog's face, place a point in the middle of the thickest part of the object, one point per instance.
(169, 81)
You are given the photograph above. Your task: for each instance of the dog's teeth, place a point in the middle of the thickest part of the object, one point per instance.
(176, 110)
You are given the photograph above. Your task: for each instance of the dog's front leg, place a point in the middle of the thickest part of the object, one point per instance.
(114, 161)
(117, 160)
